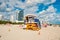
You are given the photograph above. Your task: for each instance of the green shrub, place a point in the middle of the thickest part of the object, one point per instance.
(5, 22)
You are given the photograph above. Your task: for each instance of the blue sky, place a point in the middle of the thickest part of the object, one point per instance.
(46, 10)
(57, 5)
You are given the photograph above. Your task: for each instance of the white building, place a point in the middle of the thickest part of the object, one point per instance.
(12, 18)
(1, 17)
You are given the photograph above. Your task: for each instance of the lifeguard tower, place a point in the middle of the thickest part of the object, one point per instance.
(31, 23)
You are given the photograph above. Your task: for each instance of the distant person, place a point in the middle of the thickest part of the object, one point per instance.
(44, 24)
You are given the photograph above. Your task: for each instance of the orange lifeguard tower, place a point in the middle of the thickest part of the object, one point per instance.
(30, 24)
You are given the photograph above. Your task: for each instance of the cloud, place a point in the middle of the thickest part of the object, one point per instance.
(31, 10)
(53, 1)
(29, 6)
(23, 5)
(8, 9)
(2, 4)
(51, 9)
(34, 1)
(46, 2)
(40, 1)
(49, 15)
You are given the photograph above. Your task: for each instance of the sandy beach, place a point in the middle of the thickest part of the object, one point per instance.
(14, 32)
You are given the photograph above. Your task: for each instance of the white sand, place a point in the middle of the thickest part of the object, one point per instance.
(13, 32)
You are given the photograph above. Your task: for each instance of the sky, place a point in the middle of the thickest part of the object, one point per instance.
(46, 10)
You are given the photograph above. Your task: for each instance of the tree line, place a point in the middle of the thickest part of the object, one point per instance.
(5, 22)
